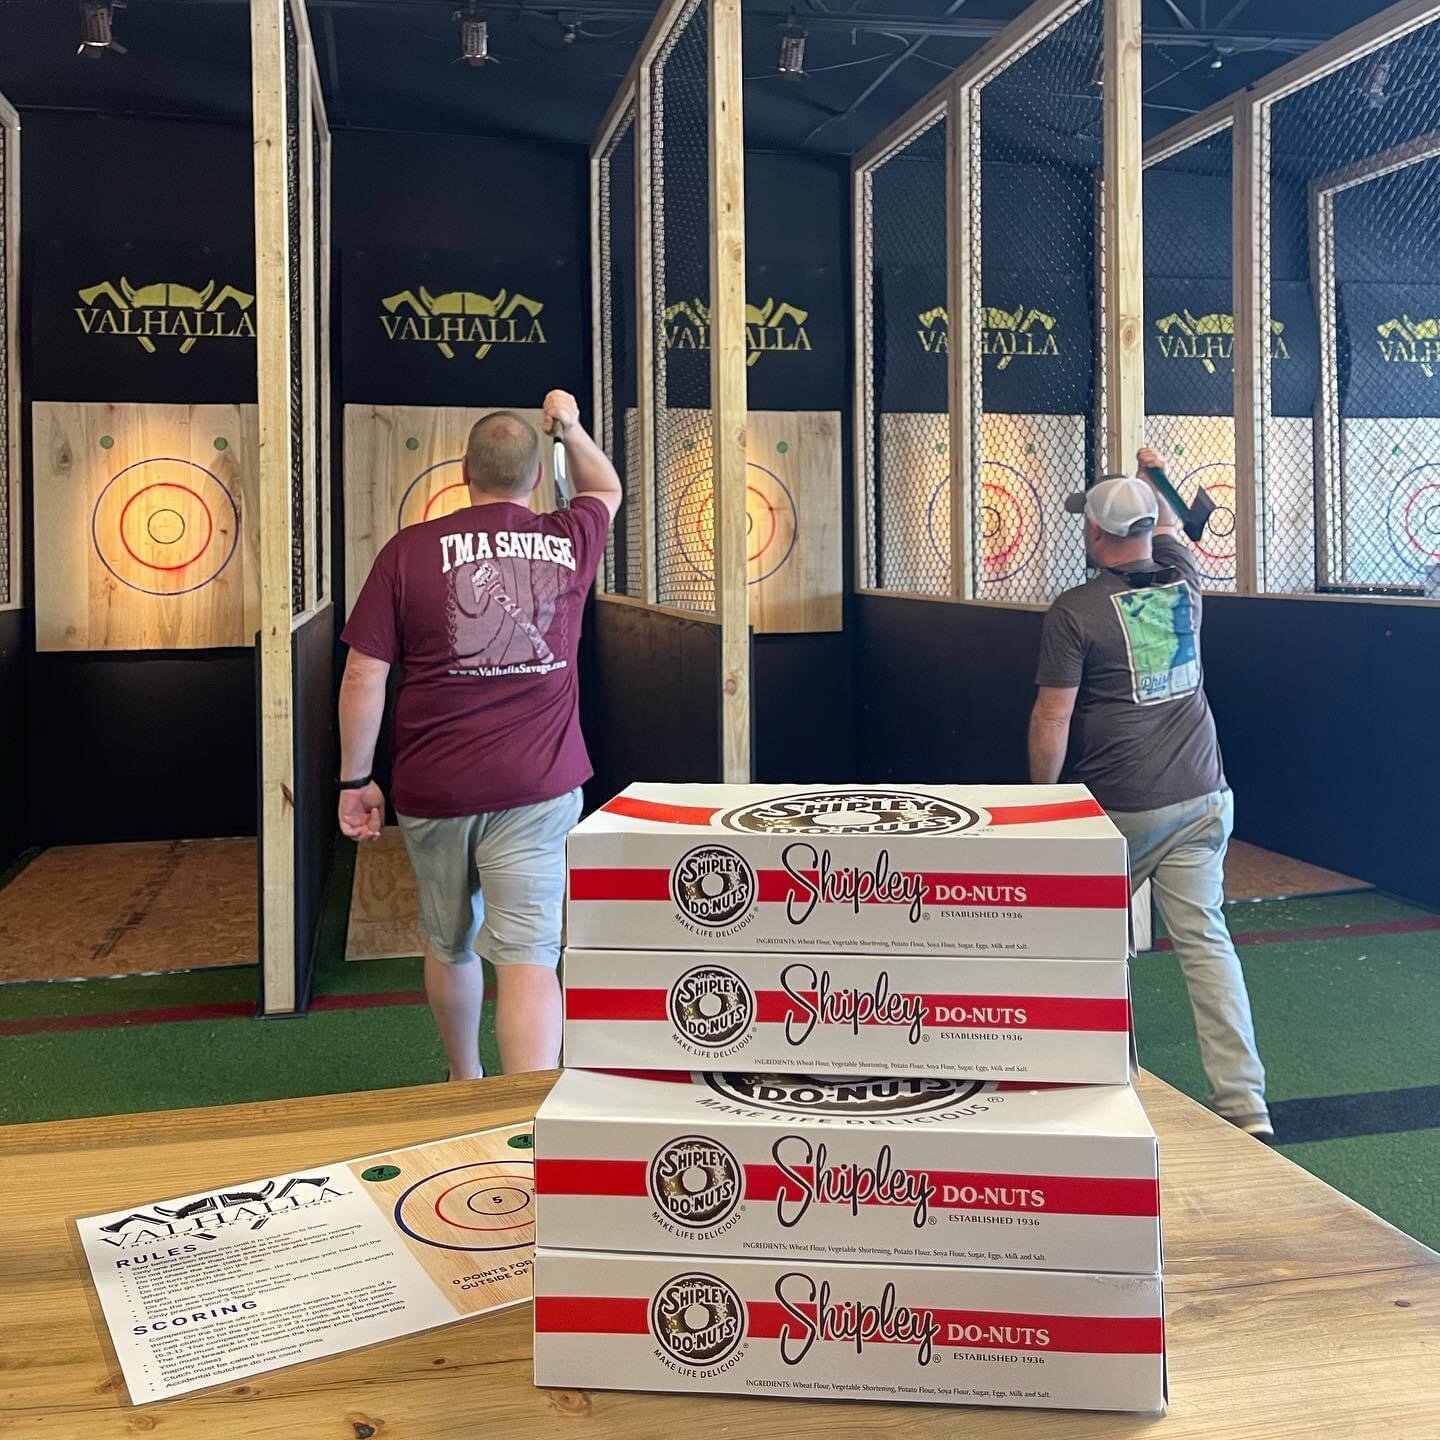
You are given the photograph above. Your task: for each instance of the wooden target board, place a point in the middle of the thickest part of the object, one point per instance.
(465, 1209)
(792, 515)
(147, 517)
(403, 465)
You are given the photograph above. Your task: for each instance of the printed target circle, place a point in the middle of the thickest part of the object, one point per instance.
(1012, 521)
(165, 526)
(1412, 516)
(1216, 547)
(485, 1205)
(443, 495)
(772, 523)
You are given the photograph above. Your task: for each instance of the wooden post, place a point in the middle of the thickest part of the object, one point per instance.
(864, 415)
(272, 286)
(1250, 269)
(727, 381)
(1124, 242)
(13, 549)
(962, 302)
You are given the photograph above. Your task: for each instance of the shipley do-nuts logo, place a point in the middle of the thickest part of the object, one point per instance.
(698, 1319)
(711, 1007)
(853, 812)
(713, 887)
(860, 1095)
(696, 1182)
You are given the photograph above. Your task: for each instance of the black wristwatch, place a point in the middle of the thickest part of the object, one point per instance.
(359, 784)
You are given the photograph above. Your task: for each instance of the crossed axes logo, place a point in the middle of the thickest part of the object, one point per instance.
(1001, 332)
(163, 1217)
(165, 309)
(687, 327)
(1191, 335)
(1413, 342)
(463, 317)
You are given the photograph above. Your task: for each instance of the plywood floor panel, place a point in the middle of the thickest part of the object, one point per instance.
(1252, 873)
(82, 911)
(384, 904)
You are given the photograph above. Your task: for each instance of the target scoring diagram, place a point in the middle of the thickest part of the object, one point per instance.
(482, 1205)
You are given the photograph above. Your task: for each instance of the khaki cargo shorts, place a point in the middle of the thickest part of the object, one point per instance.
(493, 885)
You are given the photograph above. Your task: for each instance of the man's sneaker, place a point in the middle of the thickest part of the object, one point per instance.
(1256, 1126)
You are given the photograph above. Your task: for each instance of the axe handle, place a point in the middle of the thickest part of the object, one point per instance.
(558, 469)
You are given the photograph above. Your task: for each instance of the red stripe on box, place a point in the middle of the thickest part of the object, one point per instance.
(774, 1007)
(1068, 892)
(1063, 1194)
(767, 1319)
(1086, 809)
(633, 808)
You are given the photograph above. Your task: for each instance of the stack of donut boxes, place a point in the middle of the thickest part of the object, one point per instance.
(849, 1111)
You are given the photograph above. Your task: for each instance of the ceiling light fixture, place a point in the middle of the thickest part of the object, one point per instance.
(474, 37)
(792, 48)
(97, 28)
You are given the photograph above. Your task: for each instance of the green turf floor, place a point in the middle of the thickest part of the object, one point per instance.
(1334, 1017)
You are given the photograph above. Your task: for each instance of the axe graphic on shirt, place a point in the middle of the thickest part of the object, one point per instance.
(486, 580)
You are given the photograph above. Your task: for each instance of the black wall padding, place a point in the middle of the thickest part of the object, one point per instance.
(14, 647)
(803, 712)
(655, 688)
(1328, 718)
(315, 759)
(943, 690)
(141, 746)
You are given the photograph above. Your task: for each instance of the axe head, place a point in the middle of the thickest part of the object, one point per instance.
(1195, 521)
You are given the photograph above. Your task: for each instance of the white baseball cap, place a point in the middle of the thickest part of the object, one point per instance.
(1120, 505)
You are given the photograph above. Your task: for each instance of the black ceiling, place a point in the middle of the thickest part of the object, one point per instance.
(390, 64)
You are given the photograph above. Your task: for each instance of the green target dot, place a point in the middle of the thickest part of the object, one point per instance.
(1395, 450)
(412, 443)
(221, 443)
(1179, 449)
(1030, 449)
(107, 442)
(521, 1142)
(941, 447)
(782, 447)
(380, 1172)
(689, 445)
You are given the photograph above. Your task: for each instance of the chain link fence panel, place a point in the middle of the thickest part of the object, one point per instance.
(684, 508)
(1349, 190)
(1190, 336)
(9, 540)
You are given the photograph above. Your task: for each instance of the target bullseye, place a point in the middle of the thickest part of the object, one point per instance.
(165, 526)
(771, 523)
(1011, 521)
(485, 1205)
(1217, 479)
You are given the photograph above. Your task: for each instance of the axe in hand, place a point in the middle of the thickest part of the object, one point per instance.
(1193, 517)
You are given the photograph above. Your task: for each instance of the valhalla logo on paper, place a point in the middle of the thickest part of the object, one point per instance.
(1209, 338)
(1023, 331)
(859, 1095)
(697, 1319)
(711, 1008)
(463, 318)
(853, 812)
(166, 311)
(713, 887)
(769, 328)
(205, 1217)
(695, 1182)
(1404, 341)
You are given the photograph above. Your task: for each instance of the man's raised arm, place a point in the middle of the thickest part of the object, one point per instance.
(587, 467)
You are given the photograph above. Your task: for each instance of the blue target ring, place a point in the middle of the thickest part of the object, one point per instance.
(785, 494)
(1016, 566)
(1408, 541)
(497, 1169)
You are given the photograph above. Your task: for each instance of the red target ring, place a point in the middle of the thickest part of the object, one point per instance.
(771, 521)
(488, 1183)
(150, 516)
(440, 495)
(1003, 518)
(707, 509)
(1429, 516)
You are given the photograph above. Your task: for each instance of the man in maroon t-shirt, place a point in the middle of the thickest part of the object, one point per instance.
(481, 610)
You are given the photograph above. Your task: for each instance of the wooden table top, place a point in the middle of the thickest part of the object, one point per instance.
(1293, 1312)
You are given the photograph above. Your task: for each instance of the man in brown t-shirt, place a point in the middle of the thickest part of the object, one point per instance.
(1122, 690)
(481, 611)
